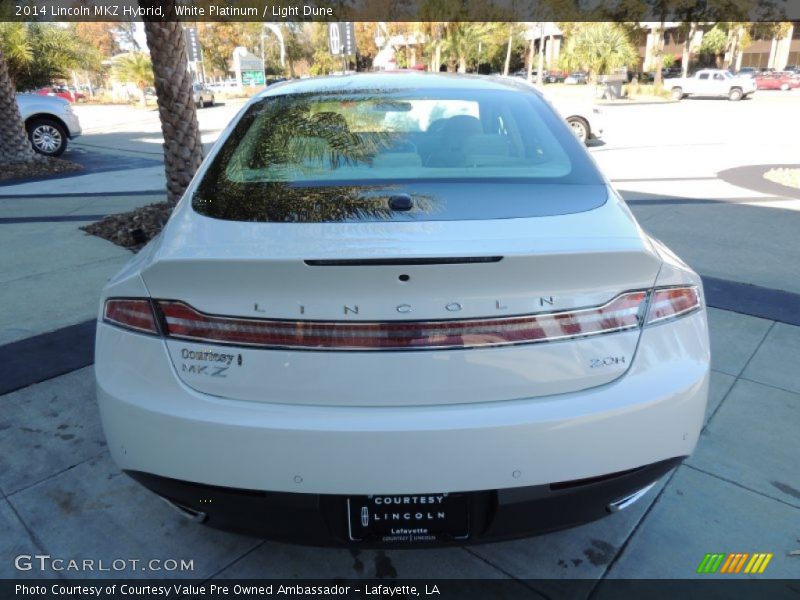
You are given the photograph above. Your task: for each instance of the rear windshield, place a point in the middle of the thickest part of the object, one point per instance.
(320, 147)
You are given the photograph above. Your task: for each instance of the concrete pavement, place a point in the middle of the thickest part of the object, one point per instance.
(53, 272)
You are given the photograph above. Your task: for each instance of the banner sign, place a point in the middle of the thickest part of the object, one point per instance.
(342, 38)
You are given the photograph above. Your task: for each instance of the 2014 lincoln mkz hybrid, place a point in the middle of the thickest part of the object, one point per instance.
(401, 309)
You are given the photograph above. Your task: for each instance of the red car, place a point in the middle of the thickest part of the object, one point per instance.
(776, 81)
(62, 92)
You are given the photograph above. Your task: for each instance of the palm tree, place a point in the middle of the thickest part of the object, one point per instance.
(432, 31)
(137, 69)
(600, 47)
(713, 44)
(462, 41)
(183, 150)
(14, 145)
(739, 38)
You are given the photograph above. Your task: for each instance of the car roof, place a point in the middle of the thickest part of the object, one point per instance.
(396, 81)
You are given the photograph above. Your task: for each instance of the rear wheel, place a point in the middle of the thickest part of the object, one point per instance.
(784, 87)
(735, 94)
(580, 128)
(676, 93)
(47, 137)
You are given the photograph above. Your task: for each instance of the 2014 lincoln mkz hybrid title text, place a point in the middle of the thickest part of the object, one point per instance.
(401, 308)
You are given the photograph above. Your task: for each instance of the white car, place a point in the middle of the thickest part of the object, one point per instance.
(49, 121)
(577, 78)
(711, 82)
(202, 95)
(397, 309)
(585, 119)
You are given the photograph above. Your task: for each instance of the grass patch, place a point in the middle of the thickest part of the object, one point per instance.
(634, 89)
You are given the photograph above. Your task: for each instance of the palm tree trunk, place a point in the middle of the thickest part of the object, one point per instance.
(183, 150)
(687, 49)
(659, 54)
(508, 51)
(529, 62)
(14, 144)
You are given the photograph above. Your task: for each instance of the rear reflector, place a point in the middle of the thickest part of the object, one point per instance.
(668, 303)
(184, 322)
(131, 314)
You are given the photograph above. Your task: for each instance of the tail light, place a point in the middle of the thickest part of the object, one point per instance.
(668, 303)
(130, 313)
(182, 321)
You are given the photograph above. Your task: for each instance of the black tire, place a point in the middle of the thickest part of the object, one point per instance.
(580, 127)
(676, 93)
(785, 87)
(47, 136)
(735, 94)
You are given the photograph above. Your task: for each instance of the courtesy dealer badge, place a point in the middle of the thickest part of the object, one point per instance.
(208, 363)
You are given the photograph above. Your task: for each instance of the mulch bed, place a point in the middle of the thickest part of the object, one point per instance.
(132, 230)
(43, 166)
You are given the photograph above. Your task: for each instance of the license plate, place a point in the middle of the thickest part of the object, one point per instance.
(405, 518)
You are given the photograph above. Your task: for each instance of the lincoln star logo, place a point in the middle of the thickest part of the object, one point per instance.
(364, 516)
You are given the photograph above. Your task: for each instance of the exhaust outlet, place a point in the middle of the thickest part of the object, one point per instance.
(625, 502)
(195, 516)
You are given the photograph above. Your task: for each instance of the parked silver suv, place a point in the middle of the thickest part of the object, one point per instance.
(202, 96)
(49, 122)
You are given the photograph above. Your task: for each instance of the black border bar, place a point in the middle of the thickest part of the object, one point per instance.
(400, 10)
(712, 586)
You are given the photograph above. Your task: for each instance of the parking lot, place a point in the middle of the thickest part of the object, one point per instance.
(692, 173)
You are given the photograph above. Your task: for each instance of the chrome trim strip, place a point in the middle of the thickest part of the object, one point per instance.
(343, 348)
(625, 502)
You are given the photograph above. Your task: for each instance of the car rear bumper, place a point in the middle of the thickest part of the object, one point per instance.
(73, 125)
(597, 128)
(320, 519)
(156, 424)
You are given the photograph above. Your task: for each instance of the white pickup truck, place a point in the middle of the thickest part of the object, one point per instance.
(711, 82)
